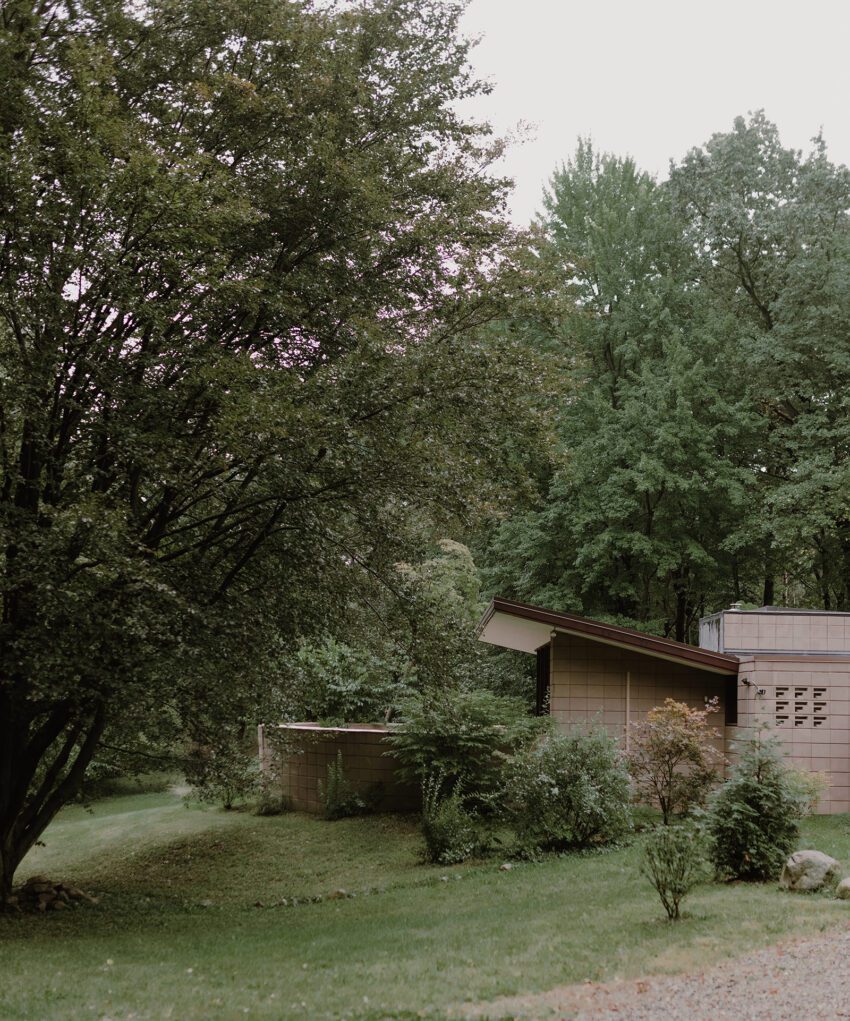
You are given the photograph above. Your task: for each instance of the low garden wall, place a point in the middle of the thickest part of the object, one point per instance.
(299, 755)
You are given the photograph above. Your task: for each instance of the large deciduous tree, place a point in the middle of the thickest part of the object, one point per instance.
(704, 428)
(772, 232)
(246, 248)
(651, 471)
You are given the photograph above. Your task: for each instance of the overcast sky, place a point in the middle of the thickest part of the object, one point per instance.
(652, 78)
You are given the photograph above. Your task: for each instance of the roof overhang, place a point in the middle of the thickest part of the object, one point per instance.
(525, 628)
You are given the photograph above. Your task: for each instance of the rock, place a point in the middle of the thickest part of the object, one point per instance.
(506, 867)
(842, 891)
(808, 870)
(58, 905)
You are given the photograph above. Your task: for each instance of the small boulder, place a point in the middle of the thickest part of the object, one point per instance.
(842, 891)
(809, 870)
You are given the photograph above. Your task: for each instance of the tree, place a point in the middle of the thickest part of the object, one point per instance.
(771, 231)
(671, 759)
(247, 253)
(651, 473)
(412, 631)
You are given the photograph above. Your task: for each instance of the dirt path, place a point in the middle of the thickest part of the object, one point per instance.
(806, 980)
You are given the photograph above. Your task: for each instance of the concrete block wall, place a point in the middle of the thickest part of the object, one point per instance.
(588, 681)
(806, 704)
(308, 751)
(779, 631)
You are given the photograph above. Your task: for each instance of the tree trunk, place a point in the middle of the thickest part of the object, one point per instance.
(44, 762)
(681, 615)
(8, 865)
(769, 593)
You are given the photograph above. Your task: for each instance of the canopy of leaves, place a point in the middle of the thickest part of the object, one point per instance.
(701, 332)
(248, 250)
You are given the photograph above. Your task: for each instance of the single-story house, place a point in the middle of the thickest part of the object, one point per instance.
(787, 668)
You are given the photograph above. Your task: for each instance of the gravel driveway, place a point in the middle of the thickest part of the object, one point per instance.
(805, 980)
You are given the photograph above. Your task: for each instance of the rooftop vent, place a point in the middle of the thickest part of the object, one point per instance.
(736, 606)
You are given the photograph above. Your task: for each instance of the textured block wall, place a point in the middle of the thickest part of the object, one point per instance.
(806, 704)
(588, 681)
(774, 631)
(310, 751)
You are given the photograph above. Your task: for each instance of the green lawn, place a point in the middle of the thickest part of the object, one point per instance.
(177, 934)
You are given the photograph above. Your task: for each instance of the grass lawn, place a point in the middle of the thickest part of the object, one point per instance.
(177, 935)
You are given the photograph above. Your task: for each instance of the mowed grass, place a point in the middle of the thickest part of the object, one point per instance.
(177, 935)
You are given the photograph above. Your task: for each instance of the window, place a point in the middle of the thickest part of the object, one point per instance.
(730, 702)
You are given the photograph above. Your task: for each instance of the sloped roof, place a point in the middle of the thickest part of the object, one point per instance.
(525, 628)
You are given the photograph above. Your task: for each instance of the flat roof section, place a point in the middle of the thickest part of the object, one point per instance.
(525, 628)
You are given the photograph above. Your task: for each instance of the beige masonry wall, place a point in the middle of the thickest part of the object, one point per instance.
(308, 751)
(777, 631)
(805, 701)
(591, 680)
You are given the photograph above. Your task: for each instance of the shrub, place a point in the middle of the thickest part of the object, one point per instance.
(570, 791)
(753, 824)
(450, 831)
(339, 797)
(223, 773)
(671, 758)
(674, 862)
(464, 736)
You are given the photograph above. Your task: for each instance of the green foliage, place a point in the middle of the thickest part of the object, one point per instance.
(671, 758)
(464, 736)
(249, 252)
(339, 797)
(754, 820)
(224, 772)
(703, 437)
(569, 791)
(157, 862)
(449, 828)
(674, 862)
(337, 682)
(645, 482)
(416, 633)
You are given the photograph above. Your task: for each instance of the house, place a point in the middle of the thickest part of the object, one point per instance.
(789, 669)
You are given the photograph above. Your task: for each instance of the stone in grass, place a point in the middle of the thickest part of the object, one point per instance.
(806, 871)
(842, 891)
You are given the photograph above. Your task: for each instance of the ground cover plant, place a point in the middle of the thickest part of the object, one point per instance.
(177, 928)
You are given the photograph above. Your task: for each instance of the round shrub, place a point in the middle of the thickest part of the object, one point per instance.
(569, 791)
(463, 735)
(753, 823)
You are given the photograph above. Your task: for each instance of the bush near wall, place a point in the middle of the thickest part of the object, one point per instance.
(569, 791)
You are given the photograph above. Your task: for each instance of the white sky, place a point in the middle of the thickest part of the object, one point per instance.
(652, 78)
